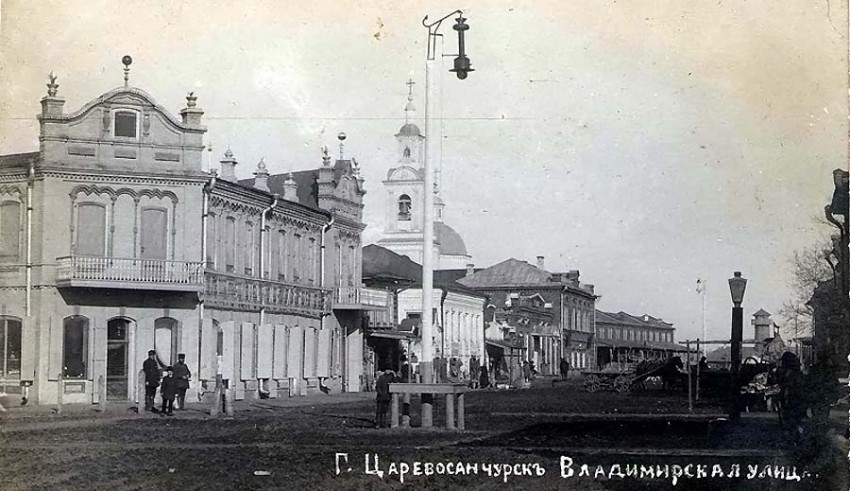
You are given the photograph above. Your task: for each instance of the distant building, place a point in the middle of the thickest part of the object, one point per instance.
(551, 313)
(404, 191)
(625, 338)
(458, 317)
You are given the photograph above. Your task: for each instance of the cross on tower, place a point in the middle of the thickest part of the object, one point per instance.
(409, 107)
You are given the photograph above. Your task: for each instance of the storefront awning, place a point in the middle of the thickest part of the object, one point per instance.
(659, 346)
(400, 335)
(502, 344)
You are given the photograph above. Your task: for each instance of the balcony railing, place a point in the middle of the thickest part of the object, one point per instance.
(131, 273)
(359, 297)
(227, 290)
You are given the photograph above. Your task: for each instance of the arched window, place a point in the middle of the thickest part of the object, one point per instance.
(211, 239)
(404, 206)
(165, 340)
(249, 248)
(10, 348)
(406, 152)
(229, 243)
(125, 124)
(91, 229)
(219, 338)
(10, 231)
(75, 346)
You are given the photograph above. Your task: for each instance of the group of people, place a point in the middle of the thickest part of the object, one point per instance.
(173, 384)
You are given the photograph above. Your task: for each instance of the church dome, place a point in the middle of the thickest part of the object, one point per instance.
(451, 243)
(409, 129)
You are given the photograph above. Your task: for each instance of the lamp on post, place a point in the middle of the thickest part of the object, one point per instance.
(737, 285)
(432, 144)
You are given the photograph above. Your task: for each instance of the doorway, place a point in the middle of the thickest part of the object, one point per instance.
(117, 351)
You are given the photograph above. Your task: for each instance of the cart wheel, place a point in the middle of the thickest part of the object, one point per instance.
(621, 384)
(591, 383)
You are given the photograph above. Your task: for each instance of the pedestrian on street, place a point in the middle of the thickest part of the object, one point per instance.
(565, 368)
(168, 391)
(152, 375)
(405, 369)
(526, 371)
(382, 387)
(182, 376)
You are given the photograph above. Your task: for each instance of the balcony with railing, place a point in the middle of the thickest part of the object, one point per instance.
(360, 298)
(129, 273)
(237, 292)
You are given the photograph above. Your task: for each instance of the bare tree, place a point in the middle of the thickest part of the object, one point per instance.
(809, 268)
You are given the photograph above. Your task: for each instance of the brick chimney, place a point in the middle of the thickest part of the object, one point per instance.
(540, 263)
(261, 176)
(228, 166)
(290, 189)
(470, 270)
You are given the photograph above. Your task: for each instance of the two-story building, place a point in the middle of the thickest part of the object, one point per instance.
(623, 338)
(115, 242)
(559, 323)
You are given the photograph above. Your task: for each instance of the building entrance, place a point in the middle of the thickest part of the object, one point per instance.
(117, 349)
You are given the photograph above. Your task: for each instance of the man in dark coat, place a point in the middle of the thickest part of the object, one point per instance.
(182, 376)
(565, 369)
(382, 387)
(168, 391)
(152, 375)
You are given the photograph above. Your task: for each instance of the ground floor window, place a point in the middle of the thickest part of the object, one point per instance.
(165, 340)
(10, 348)
(75, 346)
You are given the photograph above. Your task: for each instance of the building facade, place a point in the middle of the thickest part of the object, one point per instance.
(551, 312)
(622, 339)
(458, 334)
(115, 242)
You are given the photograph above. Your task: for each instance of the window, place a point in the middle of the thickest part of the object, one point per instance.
(219, 338)
(281, 255)
(91, 230)
(296, 258)
(10, 348)
(406, 152)
(125, 124)
(313, 261)
(229, 243)
(404, 205)
(10, 231)
(75, 346)
(211, 240)
(249, 248)
(165, 340)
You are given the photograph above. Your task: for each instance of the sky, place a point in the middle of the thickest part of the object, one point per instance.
(644, 142)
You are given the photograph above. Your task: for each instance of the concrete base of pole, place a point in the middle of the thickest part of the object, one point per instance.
(426, 368)
(228, 402)
(215, 410)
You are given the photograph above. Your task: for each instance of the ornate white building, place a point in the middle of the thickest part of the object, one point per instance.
(404, 191)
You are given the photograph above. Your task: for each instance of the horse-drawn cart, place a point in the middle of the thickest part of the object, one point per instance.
(632, 377)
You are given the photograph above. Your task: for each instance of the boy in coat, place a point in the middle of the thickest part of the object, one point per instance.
(168, 390)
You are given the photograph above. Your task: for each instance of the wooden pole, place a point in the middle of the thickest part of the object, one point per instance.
(394, 411)
(61, 389)
(698, 371)
(461, 422)
(450, 411)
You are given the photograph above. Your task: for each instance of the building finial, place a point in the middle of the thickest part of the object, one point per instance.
(52, 86)
(127, 61)
(409, 107)
(228, 153)
(341, 137)
(326, 156)
(190, 100)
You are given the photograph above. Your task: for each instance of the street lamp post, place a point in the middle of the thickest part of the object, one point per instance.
(461, 69)
(737, 285)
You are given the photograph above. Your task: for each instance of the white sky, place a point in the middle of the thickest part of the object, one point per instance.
(644, 142)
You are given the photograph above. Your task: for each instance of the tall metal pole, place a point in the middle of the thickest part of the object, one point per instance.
(737, 339)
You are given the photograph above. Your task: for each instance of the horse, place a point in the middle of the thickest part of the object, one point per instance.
(671, 373)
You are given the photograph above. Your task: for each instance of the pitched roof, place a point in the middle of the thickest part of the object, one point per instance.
(625, 319)
(380, 262)
(17, 159)
(508, 272)
(762, 312)
(308, 189)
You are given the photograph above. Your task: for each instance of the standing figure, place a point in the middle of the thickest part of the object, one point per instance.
(152, 375)
(182, 376)
(382, 387)
(565, 368)
(168, 391)
(526, 371)
(405, 369)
